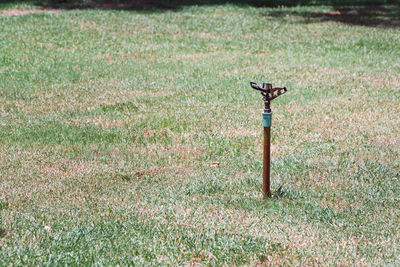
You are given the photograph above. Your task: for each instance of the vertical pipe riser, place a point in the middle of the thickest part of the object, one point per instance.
(268, 93)
(267, 162)
(267, 118)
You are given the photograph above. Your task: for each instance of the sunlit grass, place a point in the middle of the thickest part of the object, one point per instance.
(134, 137)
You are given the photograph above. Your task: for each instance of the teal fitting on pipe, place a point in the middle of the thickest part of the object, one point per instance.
(267, 117)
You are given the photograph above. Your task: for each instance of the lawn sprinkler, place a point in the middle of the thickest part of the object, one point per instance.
(268, 93)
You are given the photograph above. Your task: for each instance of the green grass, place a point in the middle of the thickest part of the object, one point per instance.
(133, 137)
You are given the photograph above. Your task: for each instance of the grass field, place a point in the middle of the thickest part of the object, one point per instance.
(133, 136)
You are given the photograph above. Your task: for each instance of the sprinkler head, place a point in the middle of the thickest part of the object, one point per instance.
(268, 93)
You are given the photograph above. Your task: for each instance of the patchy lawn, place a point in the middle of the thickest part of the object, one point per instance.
(132, 136)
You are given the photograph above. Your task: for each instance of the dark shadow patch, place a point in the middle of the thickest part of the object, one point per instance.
(158, 5)
(279, 193)
(121, 5)
(372, 13)
(174, 5)
(377, 15)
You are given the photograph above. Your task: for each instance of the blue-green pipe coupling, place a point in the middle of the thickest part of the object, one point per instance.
(267, 117)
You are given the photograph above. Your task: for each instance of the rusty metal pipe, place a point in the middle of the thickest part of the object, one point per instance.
(268, 93)
(267, 162)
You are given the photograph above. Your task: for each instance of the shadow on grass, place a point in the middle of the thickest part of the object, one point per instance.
(384, 15)
(151, 5)
(279, 193)
(176, 4)
(371, 13)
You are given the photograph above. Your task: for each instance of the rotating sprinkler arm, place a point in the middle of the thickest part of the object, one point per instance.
(257, 87)
(268, 93)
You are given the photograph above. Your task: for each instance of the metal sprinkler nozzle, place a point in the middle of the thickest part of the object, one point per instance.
(268, 93)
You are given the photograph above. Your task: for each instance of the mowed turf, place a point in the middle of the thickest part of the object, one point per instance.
(133, 137)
